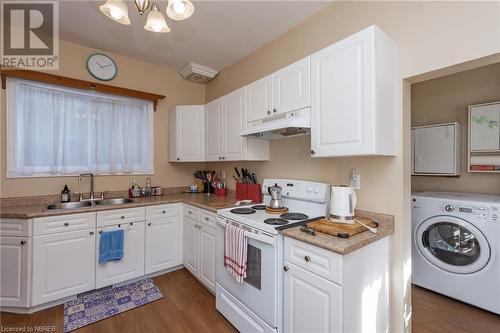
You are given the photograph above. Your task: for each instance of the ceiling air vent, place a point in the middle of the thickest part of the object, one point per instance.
(198, 73)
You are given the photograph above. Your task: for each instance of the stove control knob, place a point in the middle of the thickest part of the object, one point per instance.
(309, 189)
(316, 190)
(449, 208)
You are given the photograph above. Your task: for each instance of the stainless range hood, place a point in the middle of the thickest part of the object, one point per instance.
(280, 126)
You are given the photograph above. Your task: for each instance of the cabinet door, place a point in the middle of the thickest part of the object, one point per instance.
(190, 245)
(14, 261)
(207, 257)
(292, 87)
(191, 133)
(485, 127)
(312, 304)
(213, 130)
(434, 149)
(234, 145)
(63, 265)
(132, 263)
(342, 121)
(259, 98)
(162, 244)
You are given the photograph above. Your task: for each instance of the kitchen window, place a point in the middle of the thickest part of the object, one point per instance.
(54, 131)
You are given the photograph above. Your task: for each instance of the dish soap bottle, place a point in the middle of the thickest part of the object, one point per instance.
(65, 194)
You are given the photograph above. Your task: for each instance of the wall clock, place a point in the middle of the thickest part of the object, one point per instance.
(101, 67)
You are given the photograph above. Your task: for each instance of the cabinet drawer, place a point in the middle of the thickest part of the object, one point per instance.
(63, 223)
(314, 259)
(192, 212)
(15, 227)
(159, 211)
(113, 217)
(208, 219)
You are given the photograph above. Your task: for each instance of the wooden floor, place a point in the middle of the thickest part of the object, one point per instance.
(433, 313)
(186, 307)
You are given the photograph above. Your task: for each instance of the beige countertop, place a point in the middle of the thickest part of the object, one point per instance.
(31, 208)
(347, 245)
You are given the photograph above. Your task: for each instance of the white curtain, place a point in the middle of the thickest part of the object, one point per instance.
(58, 131)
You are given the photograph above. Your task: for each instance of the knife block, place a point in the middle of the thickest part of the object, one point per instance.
(254, 192)
(241, 191)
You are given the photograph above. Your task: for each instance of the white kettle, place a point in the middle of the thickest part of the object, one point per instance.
(342, 204)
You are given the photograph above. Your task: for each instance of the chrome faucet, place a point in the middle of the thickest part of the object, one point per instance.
(91, 175)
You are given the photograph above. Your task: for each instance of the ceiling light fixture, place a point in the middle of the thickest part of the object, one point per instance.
(117, 10)
(156, 21)
(179, 9)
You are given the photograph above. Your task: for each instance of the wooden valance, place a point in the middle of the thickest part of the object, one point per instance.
(77, 84)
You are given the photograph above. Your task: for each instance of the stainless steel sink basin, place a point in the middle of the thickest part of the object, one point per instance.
(115, 201)
(69, 205)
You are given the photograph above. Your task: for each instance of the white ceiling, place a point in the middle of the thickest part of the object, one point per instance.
(218, 34)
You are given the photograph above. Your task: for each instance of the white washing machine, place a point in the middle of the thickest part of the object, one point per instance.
(456, 246)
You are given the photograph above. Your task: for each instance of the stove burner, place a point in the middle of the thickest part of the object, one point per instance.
(294, 216)
(242, 211)
(259, 207)
(275, 221)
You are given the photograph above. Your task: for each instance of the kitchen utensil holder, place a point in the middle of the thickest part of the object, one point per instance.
(208, 188)
(246, 191)
(221, 192)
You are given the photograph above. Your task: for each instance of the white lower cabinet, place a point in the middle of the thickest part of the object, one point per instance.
(63, 265)
(311, 303)
(132, 263)
(328, 292)
(14, 268)
(199, 246)
(163, 238)
(207, 257)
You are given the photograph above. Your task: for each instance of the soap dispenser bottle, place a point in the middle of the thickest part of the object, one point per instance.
(65, 194)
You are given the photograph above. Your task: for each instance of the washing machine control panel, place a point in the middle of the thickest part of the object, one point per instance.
(476, 211)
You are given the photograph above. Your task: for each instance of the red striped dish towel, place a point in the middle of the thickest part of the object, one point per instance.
(235, 251)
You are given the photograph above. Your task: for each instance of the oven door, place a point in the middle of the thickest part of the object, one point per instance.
(259, 291)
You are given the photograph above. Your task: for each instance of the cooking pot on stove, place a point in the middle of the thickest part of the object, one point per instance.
(275, 193)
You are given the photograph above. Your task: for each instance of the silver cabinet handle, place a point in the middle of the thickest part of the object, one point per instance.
(163, 212)
(178, 159)
(286, 268)
(122, 217)
(274, 110)
(66, 224)
(207, 219)
(313, 152)
(149, 224)
(268, 112)
(91, 233)
(23, 242)
(307, 258)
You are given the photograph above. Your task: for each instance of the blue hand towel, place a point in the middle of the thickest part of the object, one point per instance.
(111, 246)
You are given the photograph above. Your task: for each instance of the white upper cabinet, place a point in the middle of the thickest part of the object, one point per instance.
(187, 133)
(225, 117)
(213, 130)
(353, 96)
(484, 127)
(233, 145)
(292, 87)
(436, 149)
(259, 98)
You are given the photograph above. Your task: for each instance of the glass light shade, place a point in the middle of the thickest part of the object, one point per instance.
(179, 9)
(156, 21)
(142, 5)
(116, 10)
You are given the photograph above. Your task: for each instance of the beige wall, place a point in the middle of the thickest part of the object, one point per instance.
(430, 36)
(444, 100)
(132, 74)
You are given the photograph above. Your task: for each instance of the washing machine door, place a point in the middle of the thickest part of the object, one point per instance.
(452, 244)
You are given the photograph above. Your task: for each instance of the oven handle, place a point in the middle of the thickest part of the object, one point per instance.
(258, 237)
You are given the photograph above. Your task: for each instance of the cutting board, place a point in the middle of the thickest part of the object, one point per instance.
(341, 230)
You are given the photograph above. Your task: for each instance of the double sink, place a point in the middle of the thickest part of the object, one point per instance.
(83, 204)
(91, 201)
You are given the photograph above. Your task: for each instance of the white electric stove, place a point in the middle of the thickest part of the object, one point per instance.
(254, 305)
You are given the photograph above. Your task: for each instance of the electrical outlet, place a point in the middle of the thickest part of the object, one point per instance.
(355, 180)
